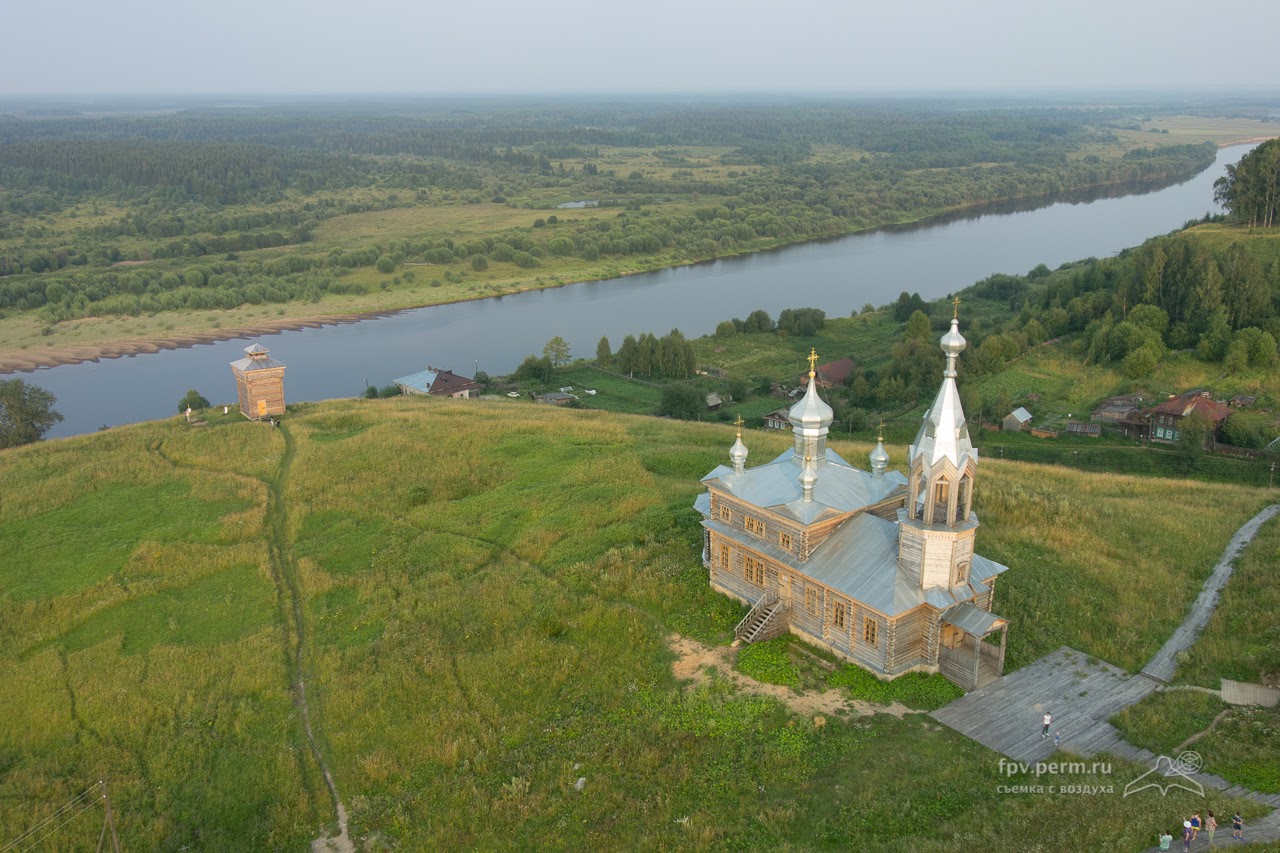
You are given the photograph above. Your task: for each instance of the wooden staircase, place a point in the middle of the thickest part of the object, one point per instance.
(766, 620)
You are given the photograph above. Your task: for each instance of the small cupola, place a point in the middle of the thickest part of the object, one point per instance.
(810, 421)
(738, 453)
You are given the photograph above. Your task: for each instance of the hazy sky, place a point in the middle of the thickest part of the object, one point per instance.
(428, 46)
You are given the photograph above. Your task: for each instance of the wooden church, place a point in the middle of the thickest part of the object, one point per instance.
(259, 383)
(875, 566)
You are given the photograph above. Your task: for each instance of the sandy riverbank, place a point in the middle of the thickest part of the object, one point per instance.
(23, 361)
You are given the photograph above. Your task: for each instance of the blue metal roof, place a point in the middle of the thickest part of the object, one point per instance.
(775, 485)
(420, 381)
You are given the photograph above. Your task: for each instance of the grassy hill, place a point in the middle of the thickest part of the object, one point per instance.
(480, 598)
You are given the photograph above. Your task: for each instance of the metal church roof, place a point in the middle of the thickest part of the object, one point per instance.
(775, 485)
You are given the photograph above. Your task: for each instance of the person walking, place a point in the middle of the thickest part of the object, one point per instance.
(1210, 827)
(1237, 827)
(1048, 721)
(1195, 825)
(1165, 839)
(1186, 836)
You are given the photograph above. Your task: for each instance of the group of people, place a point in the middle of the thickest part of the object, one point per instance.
(1192, 826)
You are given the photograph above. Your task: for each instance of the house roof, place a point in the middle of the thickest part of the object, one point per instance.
(713, 399)
(1194, 401)
(1117, 405)
(437, 382)
(1021, 415)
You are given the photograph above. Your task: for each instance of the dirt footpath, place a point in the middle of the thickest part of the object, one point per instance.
(696, 660)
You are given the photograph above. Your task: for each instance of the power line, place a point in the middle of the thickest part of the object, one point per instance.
(82, 810)
(15, 842)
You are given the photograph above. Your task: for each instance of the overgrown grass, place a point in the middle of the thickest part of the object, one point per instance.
(1242, 640)
(1242, 747)
(1164, 721)
(915, 689)
(489, 623)
(769, 663)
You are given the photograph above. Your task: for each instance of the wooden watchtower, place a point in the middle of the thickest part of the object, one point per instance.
(259, 383)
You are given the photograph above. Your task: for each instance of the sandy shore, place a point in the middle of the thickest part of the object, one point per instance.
(24, 361)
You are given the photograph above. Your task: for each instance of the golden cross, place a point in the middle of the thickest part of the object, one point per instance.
(881, 436)
(956, 305)
(813, 358)
(738, 423)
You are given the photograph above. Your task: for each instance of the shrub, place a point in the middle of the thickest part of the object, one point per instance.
(194, 399)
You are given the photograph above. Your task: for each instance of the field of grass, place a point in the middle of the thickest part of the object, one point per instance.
(1240, 744)
(486, 593)
(1242, 640)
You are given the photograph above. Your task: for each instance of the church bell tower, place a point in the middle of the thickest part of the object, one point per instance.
(937, 525)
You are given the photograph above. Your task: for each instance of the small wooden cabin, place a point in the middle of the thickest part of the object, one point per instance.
(259, 383)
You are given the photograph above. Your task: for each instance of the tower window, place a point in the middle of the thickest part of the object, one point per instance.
(940, 494)
(754, 526)
(725, 514)
(784, 540)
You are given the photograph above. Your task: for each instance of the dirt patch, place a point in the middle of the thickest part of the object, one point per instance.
(695, 662)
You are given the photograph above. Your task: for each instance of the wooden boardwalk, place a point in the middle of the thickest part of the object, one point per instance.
(1162, 666)
(1083, 693)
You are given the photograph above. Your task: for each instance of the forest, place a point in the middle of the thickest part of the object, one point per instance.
(208, 209)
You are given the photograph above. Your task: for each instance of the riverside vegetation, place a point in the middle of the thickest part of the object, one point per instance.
(127, 226)
(479, 635)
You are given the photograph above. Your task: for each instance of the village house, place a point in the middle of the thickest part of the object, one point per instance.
(1116, 409)
(1166, 419)
(778, 419)
(875, 566)
(438, 383)
(1019, 420)
(259, 383)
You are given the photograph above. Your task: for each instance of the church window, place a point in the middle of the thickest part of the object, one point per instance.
(840, 614)
(754, 570)
(724, 557)
(811, 601)
(754, 526)
(962, 573)
(725, 514)
(870, 631)
(784, 540)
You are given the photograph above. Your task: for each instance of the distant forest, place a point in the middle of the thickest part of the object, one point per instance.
(182, 197)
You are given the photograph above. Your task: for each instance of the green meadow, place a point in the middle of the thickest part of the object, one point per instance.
(480, 598)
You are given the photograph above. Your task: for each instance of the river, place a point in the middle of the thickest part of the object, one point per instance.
(933, 258)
